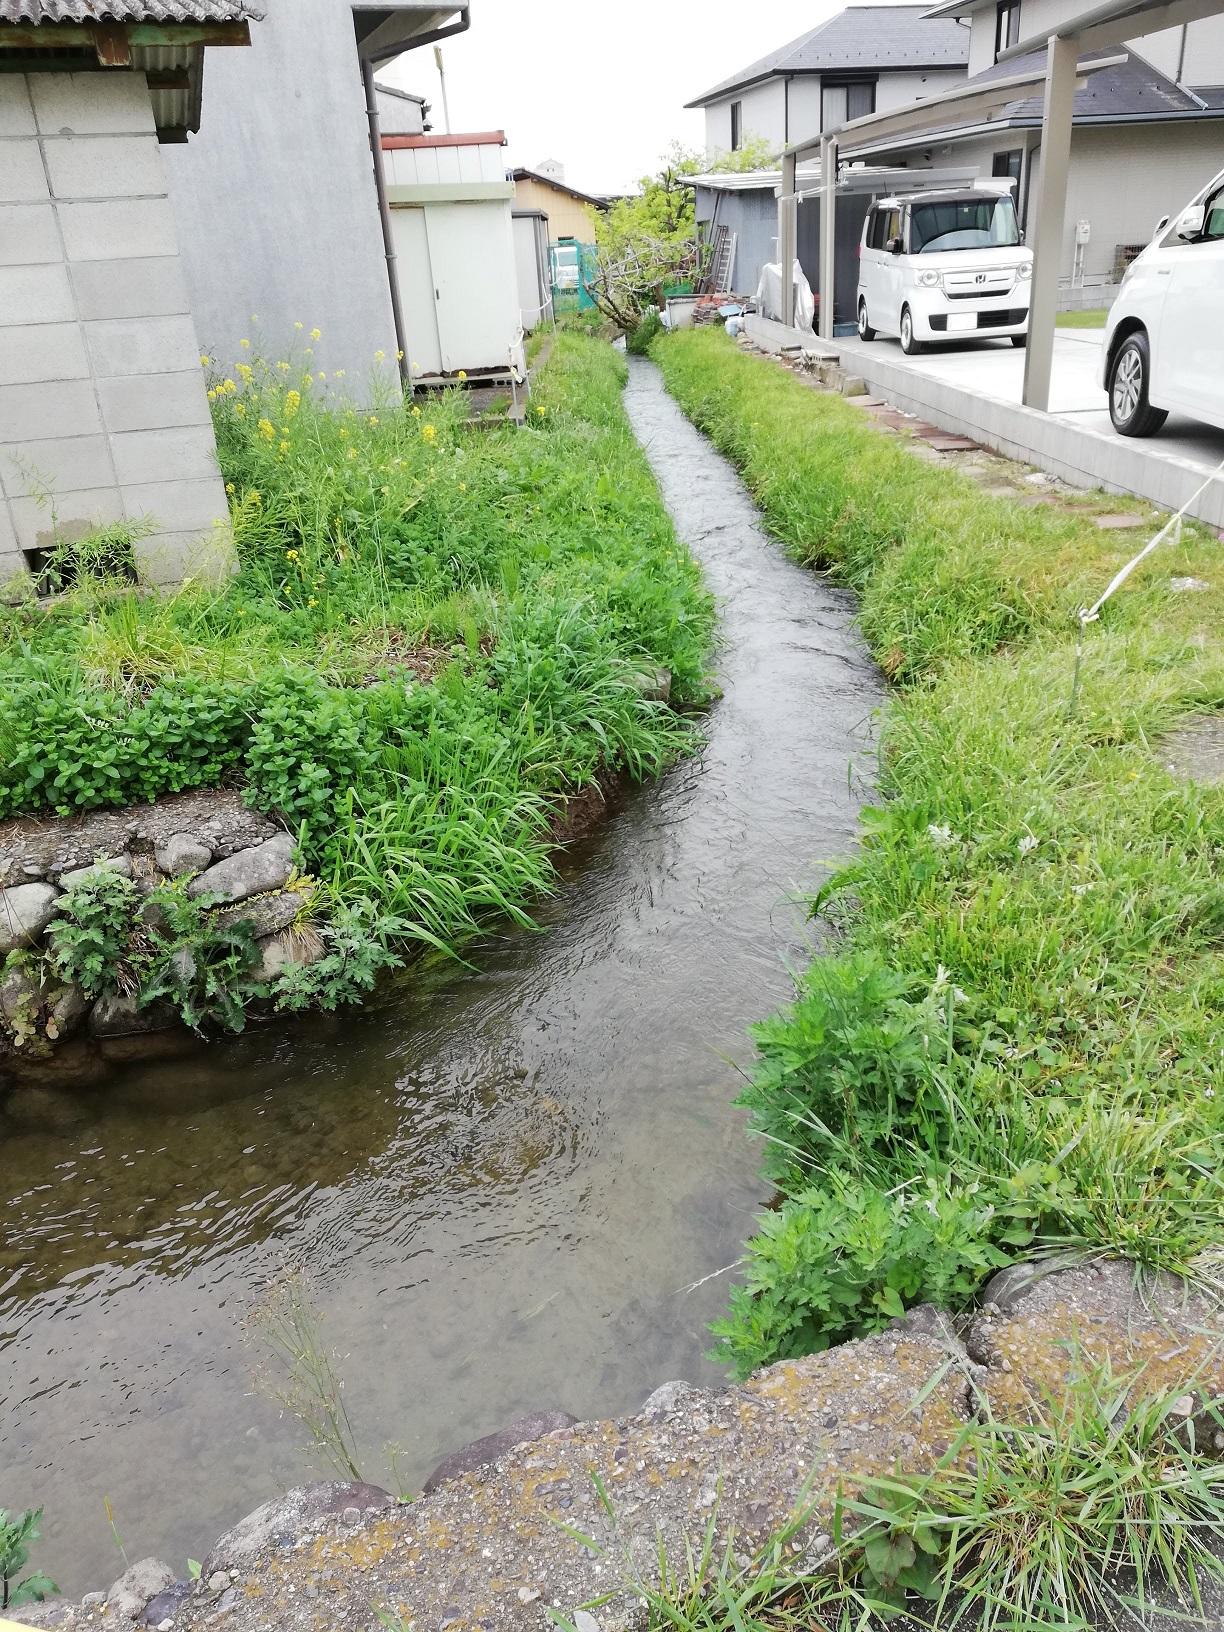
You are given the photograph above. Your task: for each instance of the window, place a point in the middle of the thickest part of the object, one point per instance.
(1213, 220)
(963, 223)
(1007, 26)
(1006, 166)
(737, 126)
(885, 225)
(843, 100)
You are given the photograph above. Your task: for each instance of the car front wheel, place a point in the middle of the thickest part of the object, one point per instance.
(1129, 380)
(908, 344)
(866, 332)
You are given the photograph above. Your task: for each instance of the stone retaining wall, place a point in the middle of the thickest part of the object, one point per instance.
(239, 862)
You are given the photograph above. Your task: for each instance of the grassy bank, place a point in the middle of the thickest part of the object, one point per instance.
(434, 634)
(1016, 1047)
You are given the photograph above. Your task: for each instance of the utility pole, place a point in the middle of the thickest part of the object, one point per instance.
(442, 78)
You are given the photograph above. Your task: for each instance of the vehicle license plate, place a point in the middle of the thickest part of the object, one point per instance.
(961, 322)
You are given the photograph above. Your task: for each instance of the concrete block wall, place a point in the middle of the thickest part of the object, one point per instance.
(103, 406)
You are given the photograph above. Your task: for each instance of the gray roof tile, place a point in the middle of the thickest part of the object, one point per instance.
(858, 39)
(129, 11)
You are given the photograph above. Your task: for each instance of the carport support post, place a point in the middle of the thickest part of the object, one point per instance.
(786, 237)
(1062, 57)
(828, 233)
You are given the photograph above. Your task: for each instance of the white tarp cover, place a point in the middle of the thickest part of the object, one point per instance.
(769, 295)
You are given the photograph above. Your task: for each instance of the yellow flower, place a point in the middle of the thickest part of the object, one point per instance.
(373, 419)
(344, 433)
(205, 360)
(541, 410)
(293, 401)
(322, 375)
(462, 374)
(245, 344)
(416, 413)
(316, 334)
(340, 373)
(255, 496)
(463, 487)
(212, 396)
(299, 325)
(291, 555)
(267, 430)
(230, 488)
(245, 372)
(284, 447)
(352, 453)
(284, 367)
(399, 356)
(240, 409)
(229, 388)
(380, 356)
(429, 432)
(311, 601)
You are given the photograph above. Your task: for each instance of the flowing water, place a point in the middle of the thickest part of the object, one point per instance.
(504, 1180)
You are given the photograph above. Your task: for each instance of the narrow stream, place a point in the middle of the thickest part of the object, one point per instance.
(504, 1180)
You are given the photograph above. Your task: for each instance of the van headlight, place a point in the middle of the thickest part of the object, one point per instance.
(929, 280)
(1025, 269)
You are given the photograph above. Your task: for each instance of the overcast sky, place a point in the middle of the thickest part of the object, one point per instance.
(600, 86)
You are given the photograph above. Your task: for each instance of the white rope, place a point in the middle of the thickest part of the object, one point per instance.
(1090, 614)
(1172, 527)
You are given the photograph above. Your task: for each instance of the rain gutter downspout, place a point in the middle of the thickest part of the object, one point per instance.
(380, 173)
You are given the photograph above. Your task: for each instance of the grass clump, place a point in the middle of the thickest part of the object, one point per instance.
(432, 637)
(1015, 1048)
(1091, 1515)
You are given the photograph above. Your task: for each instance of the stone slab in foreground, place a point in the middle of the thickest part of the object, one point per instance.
(494, 1546)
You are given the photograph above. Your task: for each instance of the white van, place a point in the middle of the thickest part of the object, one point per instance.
(942, 266)
(1164, 338)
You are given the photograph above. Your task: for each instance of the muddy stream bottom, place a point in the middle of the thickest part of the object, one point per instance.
(503, 1181)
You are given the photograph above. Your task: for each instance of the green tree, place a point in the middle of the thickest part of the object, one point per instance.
(650, 238)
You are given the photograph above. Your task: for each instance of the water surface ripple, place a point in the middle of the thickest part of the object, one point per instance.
(503, 1179)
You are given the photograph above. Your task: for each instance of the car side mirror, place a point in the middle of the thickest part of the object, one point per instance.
(893, 246)
(1192, 222)
(1160, 226)
(1020, 239)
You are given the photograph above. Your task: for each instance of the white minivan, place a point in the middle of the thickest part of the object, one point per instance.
(942, 266)
(1164, 338)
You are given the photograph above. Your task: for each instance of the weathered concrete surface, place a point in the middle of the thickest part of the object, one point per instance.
(46, 847)
(486, 1550)
(1035, 1340)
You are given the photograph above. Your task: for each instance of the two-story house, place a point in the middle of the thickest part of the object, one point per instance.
(867, 59)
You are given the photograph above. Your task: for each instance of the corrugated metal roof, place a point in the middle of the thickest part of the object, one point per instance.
(34, 12)
(857, 39)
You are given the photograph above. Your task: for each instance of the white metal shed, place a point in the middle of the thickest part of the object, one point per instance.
(451, 205)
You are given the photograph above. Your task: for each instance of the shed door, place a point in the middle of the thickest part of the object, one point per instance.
(472, 253)
(416, 282)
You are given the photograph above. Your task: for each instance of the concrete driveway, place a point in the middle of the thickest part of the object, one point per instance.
(994, 368)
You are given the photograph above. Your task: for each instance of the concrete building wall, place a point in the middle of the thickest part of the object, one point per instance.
(763, 114)
(275, 197)
(103, 412)
(782, 112)
(399, 115)
(1164, 166)
(567, 217)
(899, 90)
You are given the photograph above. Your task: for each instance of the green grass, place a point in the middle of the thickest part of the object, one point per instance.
(1094, 319)
(433, 636)
(1016, 1048)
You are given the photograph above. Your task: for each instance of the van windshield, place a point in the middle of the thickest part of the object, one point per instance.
(963, 223)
